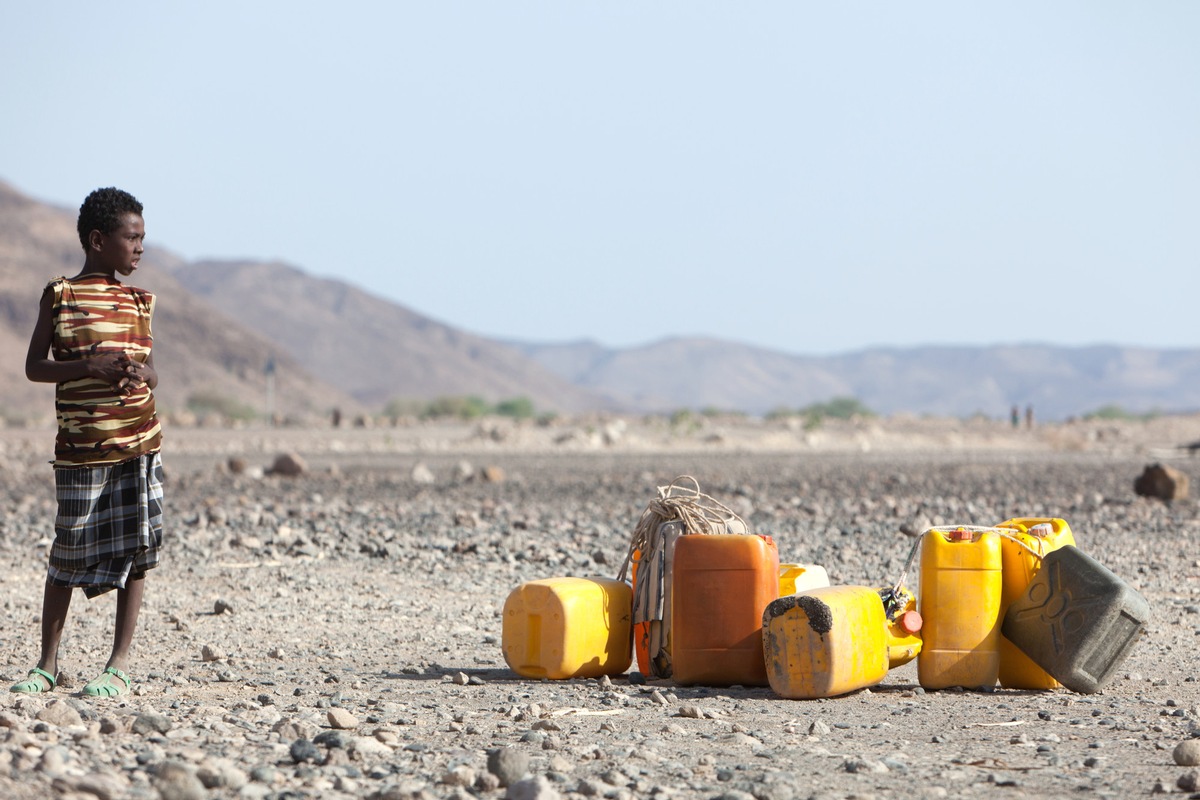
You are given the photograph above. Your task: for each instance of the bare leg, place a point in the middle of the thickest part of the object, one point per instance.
(129, 605)
(56, 601)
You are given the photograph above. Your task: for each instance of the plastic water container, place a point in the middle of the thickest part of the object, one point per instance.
(568, 628)
(1077, 620)
(722, 585)
(795, 578)
(1032, 539)
(960, 605)
(832, 640)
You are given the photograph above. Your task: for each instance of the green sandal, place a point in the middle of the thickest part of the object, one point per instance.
(105, 686)
(33, 684)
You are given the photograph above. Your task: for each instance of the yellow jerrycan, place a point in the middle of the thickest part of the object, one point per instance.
(560, 628)
(832, 640)
(1023, 545)
(960, 604)
(795, 578)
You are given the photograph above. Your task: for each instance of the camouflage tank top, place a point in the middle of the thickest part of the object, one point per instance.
(95, 315)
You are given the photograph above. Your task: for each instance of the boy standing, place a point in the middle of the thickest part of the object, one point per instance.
(93, 340)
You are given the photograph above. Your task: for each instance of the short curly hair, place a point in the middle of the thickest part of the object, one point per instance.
(102, 211)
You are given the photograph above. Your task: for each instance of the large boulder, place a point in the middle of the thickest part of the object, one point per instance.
(289, 465)
(1163, 482)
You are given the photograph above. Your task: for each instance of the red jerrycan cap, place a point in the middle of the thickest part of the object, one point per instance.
(910, 621)
(958, 535)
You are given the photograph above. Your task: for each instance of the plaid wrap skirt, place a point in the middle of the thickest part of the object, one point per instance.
(109, 524)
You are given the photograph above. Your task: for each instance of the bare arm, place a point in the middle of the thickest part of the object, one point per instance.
(113, 368)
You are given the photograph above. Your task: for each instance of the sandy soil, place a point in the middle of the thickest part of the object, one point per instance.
(337, 634)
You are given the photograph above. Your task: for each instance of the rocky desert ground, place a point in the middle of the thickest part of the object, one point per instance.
(336, 633)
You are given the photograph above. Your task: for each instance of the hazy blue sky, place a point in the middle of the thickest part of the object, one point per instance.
(814, 178)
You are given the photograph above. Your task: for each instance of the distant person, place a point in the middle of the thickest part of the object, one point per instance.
(1016, 417)
(1029, 416)
(92, 340)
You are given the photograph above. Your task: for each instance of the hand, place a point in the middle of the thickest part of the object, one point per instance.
(119, 370)
(135, 373)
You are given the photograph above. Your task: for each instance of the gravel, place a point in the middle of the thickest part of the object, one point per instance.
(335, 634)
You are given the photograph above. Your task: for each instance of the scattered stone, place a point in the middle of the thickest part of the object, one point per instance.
(492, 474)
(369, 746)
(288, 465)
(461, 775)
(862, 765)
(148, 722)
(1188, 781)
(175, 781)
(101, 786)
(467, 519)
(532, 789)
(54, 759)
(222, 607)
(333, 739)
(210, 653)
(508, 764)
(1187, 753)
(423, 475)
(60, 713)
(302, 750)
(342, 719)
(221, 773)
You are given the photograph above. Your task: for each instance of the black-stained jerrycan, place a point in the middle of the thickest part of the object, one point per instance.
(1076, 620)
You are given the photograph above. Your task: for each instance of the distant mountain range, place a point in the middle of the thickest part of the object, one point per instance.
(332, 345)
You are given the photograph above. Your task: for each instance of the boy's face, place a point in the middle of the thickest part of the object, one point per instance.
(121, 250)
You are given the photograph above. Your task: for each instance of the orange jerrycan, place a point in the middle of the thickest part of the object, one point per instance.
(1023, 545)
(722, 585)
(960, 605)
(568, 628)
(832, 640)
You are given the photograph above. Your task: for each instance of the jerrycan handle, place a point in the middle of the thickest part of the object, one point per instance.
(960, 533)
(1008, 535)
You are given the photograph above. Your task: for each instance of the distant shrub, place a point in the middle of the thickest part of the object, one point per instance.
(471, 407)
(201, 403)
(714, 411)
(839, 408)
(682, 417)
(814, 413)
(515, 407)
(1116, 412)
(779, 413)
(403, 407)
